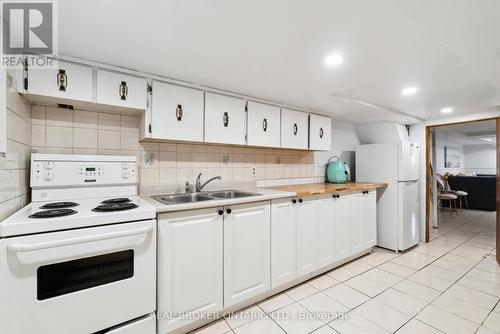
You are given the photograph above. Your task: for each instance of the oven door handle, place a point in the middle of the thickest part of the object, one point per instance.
(66, 242)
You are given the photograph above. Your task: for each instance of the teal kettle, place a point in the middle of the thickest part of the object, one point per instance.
(336, 171)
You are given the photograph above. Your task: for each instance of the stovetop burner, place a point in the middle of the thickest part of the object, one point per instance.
(59, 205)
(53, 213)
(120, 206)
(116, 200)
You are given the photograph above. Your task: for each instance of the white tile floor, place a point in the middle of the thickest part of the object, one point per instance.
(450, 285)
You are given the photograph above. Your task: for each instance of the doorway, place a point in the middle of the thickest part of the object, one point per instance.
(462, 176)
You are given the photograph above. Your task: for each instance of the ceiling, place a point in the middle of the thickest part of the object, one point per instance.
(275, 50)
(475, 133)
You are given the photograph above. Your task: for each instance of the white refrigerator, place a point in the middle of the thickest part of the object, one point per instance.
(398, 205)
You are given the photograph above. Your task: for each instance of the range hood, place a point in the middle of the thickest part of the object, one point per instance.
(382, 132)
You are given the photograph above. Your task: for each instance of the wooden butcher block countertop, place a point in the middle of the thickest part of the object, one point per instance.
(311, 189)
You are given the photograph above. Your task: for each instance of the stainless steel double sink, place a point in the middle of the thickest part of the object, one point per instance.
(202, 196)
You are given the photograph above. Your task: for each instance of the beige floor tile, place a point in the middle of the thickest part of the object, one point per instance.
(266, 325)
(469, 252)
(323, 282)
(367, 285)
(325, 330)
(382, 276)
(377, 258)
(401, 301)
(480, 285)
(492, 322)
(354, 323)
(341, 274)
(358, 266)
(484, 330)
(383, 315)
(302, 291)
(218, 327)
(397, 269)
(459, 268)
(295, 319)
(245, 316)
(461, 308)
(324, 306)
(472, 296)
(415, 260)
(276, 302)
(415, 326)
(429, 250)
(416, 290)
(446, 321)
(346, 295)
(431, 281)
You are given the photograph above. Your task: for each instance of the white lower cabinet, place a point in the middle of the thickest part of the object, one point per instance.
(325, 231)
(190, 259)
(356, 232)
(247, 251)
(342, 218)
(369, 219)
(283, 241)
(306, 236)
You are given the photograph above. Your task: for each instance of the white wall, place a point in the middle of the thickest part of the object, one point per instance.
(443, 141)
(480, 159)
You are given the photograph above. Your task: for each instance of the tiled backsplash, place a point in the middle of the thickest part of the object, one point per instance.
(14, 166)
(57, 130)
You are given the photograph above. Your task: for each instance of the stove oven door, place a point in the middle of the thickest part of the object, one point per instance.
(78, 281)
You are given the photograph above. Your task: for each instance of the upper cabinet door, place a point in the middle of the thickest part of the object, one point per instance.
(264, 123)
(225, 119)
(121, 90)
(177, 112)
(320, 133)
(67, 81)
(294, 129)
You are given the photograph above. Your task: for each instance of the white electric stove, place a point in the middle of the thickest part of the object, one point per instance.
(81, 258)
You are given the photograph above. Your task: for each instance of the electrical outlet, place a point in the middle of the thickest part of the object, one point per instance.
(254, 171)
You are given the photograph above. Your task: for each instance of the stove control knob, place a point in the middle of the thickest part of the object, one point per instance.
(48, 176)
(48, 165)
(125, 165)
(125, 175)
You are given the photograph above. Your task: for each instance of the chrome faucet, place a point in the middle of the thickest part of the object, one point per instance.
(200, 186)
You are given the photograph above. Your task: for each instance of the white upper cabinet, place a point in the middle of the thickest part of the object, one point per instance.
(118, 89)
(320, 133)
(294, 129)
(225, 119)
(177, 112)
(264, 124)
(67, 81)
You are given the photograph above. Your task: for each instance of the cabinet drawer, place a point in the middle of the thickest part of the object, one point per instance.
(68, 81)
(177, 112)
(264, 124)
(294, 129)
(121, 90)
(225, 119)
(320, 137)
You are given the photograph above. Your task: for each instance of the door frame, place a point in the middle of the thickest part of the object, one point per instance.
(428, 177)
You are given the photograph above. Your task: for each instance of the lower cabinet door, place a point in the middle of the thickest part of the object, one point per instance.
(369, 219)
(306, 237)
(247, 251)
(283, 242)
(342, 214)
(190, 273)
(325, 231)
(357, 201)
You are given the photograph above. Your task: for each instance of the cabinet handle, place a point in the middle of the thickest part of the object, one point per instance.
(295, 129)
(321, 132)
(336, 196)
(225, 119)
(62, 80)
(264, 124)
(179, 112)
(123, 90)
(228, 211)
(294, 201)
(220, 212)
(300, 200)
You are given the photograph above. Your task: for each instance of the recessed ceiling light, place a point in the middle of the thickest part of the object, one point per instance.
(408, 91)
(446, 110)
(334, 59)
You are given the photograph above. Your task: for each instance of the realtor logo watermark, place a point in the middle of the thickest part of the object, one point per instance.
(29, 33)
